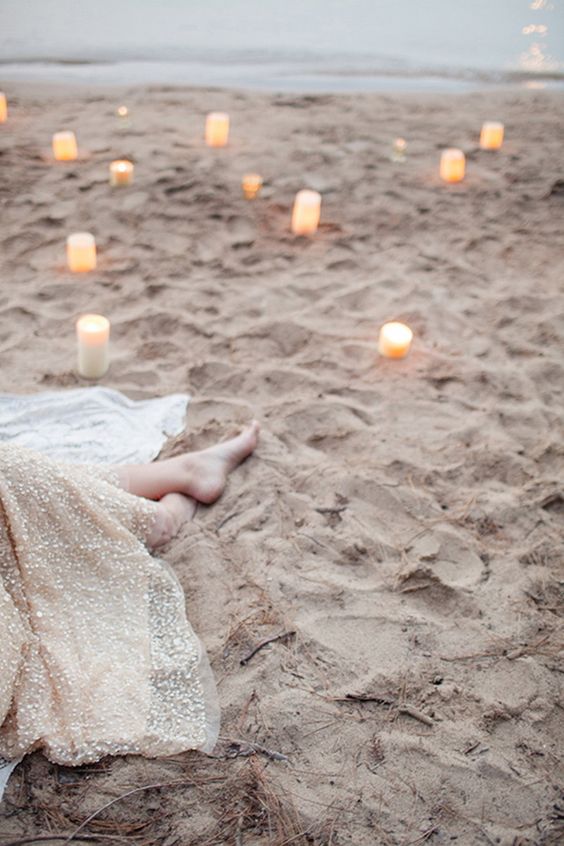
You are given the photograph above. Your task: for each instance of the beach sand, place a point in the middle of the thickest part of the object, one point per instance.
(401, 524)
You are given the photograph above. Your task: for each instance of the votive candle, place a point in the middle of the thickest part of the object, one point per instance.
(453, 165)
(121, 172)
(394, 340)
(81, 252)
(3, 108)
(64, 146)
(491, 136)
(306, 212)
(252, 183)
(217, 129)
(93, 340)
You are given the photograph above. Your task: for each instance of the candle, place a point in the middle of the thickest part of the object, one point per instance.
(122, 111)
(399, 149)
(121, 172)
(252, 183)
(3, 108)
(217, 129)
(491, 136)
(453, 165)
(395, 340)
(64, 146)
(306, 211)
(81, 252)
(93, 339)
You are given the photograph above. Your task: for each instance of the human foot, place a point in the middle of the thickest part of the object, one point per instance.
(173, 510)
(206, 471)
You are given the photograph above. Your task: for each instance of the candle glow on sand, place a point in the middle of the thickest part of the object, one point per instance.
(217, 129)
(306, 212)
(121, 172)
(93, 340)
(453, 165)
(3, 108)
(65, 147)
(252, 183)
(394, 340)
(491, 136)
(81, 252)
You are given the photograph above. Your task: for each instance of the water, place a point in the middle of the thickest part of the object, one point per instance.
(284, 44)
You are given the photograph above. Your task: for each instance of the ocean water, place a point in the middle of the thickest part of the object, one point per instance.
(284, 44)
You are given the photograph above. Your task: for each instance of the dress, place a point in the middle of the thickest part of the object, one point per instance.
(96, 654)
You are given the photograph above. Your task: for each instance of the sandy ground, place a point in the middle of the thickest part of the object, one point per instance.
(402, 522)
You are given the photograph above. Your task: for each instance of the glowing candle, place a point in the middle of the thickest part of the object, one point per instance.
(81, 252)
(122, 111)
(93, 338)
(217, 129)
(64, 146)
(3, 108)
(252, 183)
(491, 136)
(121, 172)
(306, 211)
(453, 165)
(395, 340)
(399, 149)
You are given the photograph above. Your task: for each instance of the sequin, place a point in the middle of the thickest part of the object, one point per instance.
(97, 656)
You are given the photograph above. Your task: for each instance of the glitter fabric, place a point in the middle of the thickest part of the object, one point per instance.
(96, 654)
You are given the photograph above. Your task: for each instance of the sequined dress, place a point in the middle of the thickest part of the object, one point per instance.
(96, 654)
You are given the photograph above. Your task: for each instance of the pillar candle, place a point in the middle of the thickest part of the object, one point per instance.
(217, 129)
(93, 339)
(453, 165)
(395, 340)
(252, 183)
(306, 211)
(81, 252)
(3, 108)
(121, 172)
(491, 136)
(64, 146)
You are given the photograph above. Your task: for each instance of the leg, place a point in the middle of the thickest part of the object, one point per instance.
(201, 475)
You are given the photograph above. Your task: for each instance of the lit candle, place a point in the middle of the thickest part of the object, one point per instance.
(122, 111)
(64, 146)
(399, 149)
(306, 211)
(453, 165)
(491, 136)
(93, 338)
(252, 183)
(3, 108)
(217, 129)
(121, 172)
(395, 340)
(81, 252)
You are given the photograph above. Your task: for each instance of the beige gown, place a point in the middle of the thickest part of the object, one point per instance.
(96, 654)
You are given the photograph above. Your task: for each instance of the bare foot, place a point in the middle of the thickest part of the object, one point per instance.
(206, 471)
(173, 510)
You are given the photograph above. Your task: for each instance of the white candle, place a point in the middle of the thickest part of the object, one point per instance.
(306, 212)
(65, 148)
(252, 183)
(491, 136)
(453, 165)
(121, 172)
(394, 340)
(3, 108)
(217, 129)
(93, 339)
(81, 252)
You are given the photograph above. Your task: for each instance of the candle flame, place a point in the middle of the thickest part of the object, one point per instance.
(122, 111)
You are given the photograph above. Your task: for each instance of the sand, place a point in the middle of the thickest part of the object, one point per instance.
(402, 521)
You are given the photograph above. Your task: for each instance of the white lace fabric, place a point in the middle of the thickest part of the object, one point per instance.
(97, 656)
